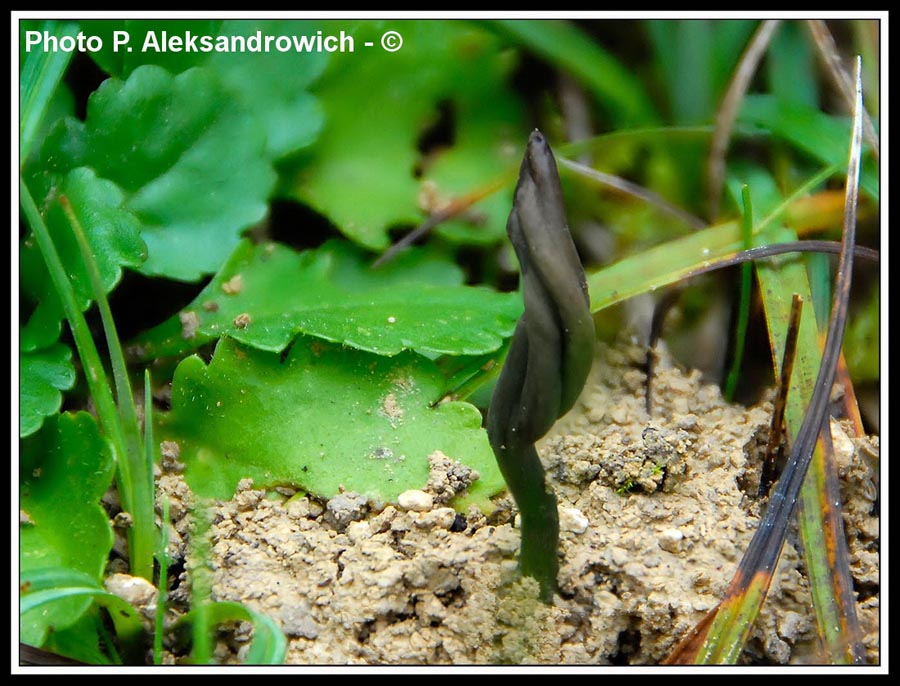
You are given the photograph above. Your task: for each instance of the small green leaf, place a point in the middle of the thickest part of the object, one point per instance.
(112, 232)
(361, 173)
(190, 160)
(488, 142)
(269, 83)
(274, 88)
(42, 375)
(65, 469)
(324, 419)
(265, 295)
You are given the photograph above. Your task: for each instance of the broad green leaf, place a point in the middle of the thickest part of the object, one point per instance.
(361, 173)
(267, 294)
(820, 135)
(112, 231)
(325, 419)
(190, 161)
(65, 469)
(270, 83)
(42, 375)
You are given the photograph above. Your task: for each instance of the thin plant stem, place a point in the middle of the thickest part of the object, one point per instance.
(136, 484)
(87, 350)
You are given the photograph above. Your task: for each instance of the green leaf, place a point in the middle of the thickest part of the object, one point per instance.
(325, 419)
(361, 172)
(415, 303)
(821, 136)
(119, 60)
(704, 49)
(489, 142)
(81, 641)
(190, 161)
(113, 234)
(271, 85)
(42, 375)
(65, 469)
(274, 87)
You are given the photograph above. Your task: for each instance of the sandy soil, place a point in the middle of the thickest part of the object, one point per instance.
(655, 514)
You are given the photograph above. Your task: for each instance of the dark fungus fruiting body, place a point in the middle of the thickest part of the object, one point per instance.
(549, 357)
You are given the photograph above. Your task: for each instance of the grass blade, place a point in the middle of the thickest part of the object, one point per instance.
(41, 74)
(679, 258)
(566, 46)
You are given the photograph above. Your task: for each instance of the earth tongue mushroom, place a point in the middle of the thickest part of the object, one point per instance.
(549, 357)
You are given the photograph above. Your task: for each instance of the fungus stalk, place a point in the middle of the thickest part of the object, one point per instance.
(549, 357)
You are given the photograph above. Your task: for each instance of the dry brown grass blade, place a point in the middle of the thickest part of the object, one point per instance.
(727, 113)
(840, 78)
(453, 209)
(776, 432)
(660, 310)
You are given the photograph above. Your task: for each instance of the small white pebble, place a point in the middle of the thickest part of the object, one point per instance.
(572, 519)
(137, 591)
(669, 539)
(415, 500)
